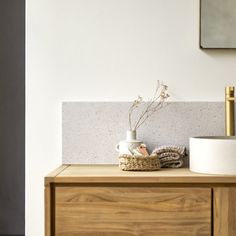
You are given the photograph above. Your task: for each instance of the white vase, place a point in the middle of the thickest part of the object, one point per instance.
(131, 142)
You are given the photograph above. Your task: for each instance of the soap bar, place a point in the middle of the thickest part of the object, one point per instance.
(140, 151)
(136, 153)
(143, 149)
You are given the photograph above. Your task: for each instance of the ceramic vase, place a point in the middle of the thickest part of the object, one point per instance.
(131, 142)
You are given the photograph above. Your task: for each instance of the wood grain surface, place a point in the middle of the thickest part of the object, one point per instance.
(94, 200)
(51, 176)
(112, 174)
(224, 211)
(132, 211)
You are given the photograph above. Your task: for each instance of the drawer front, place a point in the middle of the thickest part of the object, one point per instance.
(118, 211)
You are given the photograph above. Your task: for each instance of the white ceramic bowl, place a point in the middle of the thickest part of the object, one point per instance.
(213, 155)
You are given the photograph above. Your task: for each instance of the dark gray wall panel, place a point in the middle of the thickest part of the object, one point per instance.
(12, 116)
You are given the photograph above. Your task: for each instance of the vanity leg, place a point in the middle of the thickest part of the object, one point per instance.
(47, 202)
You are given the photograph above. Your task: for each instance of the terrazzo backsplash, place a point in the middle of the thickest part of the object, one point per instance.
(91, 130)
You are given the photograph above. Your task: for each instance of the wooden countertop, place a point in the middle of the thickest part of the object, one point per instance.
(112, 174)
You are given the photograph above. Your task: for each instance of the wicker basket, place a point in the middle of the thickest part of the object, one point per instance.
(150, 163)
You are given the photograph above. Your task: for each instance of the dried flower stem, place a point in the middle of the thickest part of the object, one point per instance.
(152, 106)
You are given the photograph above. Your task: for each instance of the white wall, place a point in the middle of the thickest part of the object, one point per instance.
(108, 50)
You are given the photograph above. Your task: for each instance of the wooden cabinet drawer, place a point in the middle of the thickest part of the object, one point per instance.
(129, 211)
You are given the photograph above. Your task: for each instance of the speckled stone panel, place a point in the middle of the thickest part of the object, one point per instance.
(91, 130)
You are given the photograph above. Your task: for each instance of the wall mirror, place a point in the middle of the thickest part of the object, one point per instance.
(218, 24)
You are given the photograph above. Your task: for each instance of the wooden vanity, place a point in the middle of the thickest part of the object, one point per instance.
(101, 200)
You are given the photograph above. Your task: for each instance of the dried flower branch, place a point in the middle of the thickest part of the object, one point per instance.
(151, 107)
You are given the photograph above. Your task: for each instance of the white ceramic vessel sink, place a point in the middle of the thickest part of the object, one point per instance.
(213, 155)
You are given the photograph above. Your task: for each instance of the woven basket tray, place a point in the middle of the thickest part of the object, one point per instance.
(150, 163)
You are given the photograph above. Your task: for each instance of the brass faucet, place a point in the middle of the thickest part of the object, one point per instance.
(229, 111)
